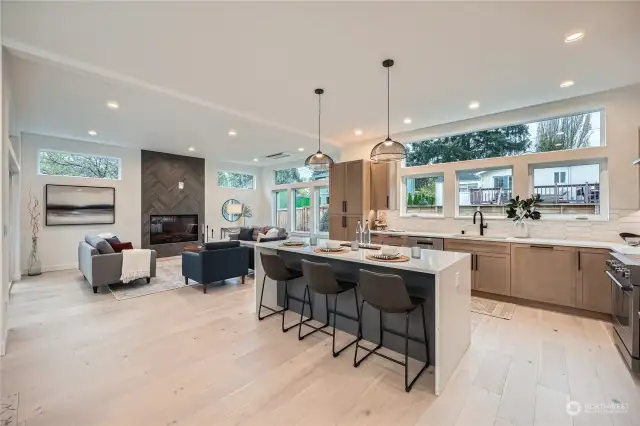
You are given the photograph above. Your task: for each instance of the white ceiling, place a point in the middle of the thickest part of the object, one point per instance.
(185, 73)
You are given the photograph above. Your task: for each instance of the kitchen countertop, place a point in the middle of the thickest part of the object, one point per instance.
(430, 262)
(617, 247)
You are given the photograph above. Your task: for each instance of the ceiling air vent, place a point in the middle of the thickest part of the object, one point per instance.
(278, 155)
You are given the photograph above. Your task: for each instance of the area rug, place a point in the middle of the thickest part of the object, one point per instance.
(492, 308)
(9, 410)
(168, 277)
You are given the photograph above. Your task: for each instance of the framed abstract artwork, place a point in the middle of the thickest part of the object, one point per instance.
(79, 205)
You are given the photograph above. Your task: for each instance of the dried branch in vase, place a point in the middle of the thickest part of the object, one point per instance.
(34, 214)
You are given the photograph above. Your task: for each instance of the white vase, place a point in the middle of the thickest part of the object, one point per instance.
(520, 229)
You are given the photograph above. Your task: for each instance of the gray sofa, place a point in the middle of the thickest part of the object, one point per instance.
(102, 269)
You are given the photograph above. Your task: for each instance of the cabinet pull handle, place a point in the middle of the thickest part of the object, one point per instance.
(387, 201)
(344, 222)
(344, 209)
(473, 268)
(541, 247)
(345, 206)
(579, 263)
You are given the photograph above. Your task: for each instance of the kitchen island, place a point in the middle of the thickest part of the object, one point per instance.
(443, 279)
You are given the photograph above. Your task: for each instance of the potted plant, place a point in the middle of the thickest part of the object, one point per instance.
(519, 209)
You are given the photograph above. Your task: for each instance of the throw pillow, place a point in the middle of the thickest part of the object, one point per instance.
(106, 235)
(104, 247)
(118, 247)
(261, 236)
(246, 234)
(272, 233)
(112, 240)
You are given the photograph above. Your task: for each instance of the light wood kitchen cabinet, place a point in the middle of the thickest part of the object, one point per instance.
(349, 198)
(492, 273)
(377, 239)
(337, 179)
(593, 287)
(380, 186)
(490, 264)
(544, 273)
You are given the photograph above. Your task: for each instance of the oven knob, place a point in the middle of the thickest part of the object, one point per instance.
(626, 273)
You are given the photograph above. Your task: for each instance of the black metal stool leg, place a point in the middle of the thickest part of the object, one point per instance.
(335, 319)
(314, 329)
(360, 310)
(356, 362)
(408, 386)
(273, 311)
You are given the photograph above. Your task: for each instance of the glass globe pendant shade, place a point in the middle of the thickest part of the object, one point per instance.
(388, 151)
(318, 162)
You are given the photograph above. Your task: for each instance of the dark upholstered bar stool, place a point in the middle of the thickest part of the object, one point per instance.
(321, 279)
(275, 269)
(388, 294)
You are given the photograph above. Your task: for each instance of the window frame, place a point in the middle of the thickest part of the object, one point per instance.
(253, 180)
(603, 182)
(403, 195)
(602, 128)
(83, 154)
(457, 214)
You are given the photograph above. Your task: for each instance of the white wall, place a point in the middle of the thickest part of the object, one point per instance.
(622, 123)
(215, 196)
(58, 245)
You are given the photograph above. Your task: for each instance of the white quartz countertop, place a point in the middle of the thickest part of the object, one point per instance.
(617, 247)
(430, 262)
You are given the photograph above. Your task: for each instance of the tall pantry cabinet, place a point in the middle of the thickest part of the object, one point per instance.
(349, 198)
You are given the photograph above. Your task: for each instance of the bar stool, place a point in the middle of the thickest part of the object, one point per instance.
(388, 294)
(275, 269)
(322, 279)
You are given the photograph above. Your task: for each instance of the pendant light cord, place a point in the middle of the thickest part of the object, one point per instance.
(388, 101)
(319, 110)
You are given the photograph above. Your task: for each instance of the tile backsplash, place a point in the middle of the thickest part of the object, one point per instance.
(619, 221)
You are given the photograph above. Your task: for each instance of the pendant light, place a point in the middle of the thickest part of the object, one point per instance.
(319, 162)
(388, 150)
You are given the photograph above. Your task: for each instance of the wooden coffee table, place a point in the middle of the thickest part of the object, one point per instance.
(193, 248)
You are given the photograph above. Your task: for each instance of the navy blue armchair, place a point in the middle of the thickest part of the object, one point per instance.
(216, 262)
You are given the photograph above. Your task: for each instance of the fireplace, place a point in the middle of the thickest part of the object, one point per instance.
(173, 228)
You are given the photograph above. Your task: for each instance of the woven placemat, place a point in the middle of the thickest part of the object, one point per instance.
(400, 258)
(319, 250)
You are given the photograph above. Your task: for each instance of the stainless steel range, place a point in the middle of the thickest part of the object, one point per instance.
(624, 272)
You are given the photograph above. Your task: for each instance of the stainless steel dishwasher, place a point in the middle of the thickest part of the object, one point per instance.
(426, 243)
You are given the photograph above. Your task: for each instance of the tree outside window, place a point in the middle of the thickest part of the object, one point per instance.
(58, 163)
(235, 180)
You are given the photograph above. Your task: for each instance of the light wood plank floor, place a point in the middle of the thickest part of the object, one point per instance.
(185, 358)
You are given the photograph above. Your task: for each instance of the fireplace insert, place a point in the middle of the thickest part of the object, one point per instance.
(173, 228)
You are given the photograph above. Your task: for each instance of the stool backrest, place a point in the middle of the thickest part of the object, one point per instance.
(320, 277)
(384, 291)
(274, 267)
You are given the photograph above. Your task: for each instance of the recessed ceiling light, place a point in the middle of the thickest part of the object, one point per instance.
(567, 83)
(232, 132)
(92, 132)
(300, 149)
(255, 159)
(191, 148)
(357, 132)
(474, 105)
(573, 37)
(407, 120)
(113, 105)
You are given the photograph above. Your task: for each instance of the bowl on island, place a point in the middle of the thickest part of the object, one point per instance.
(389, 251)
(332, 245)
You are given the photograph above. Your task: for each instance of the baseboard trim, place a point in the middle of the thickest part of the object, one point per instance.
(53, 268)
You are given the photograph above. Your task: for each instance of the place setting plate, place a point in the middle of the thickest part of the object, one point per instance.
(388, 257)
(327, 250)
(293, 244)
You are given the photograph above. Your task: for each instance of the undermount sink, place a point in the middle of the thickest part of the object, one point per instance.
(490, 237)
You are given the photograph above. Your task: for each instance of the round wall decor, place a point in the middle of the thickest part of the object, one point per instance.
(232, 214)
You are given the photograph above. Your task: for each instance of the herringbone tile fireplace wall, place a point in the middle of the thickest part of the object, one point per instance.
(161, 174)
